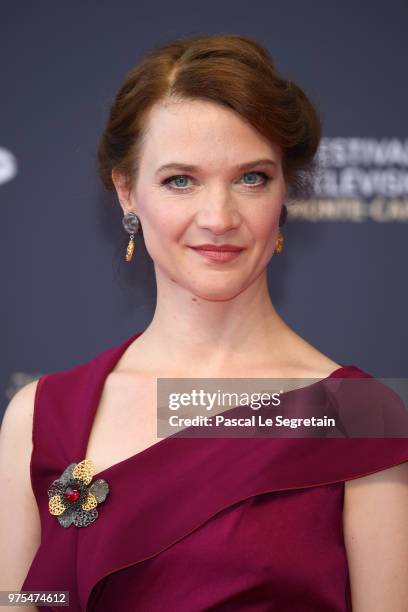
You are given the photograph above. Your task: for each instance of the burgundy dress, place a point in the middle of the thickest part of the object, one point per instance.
(196, 524)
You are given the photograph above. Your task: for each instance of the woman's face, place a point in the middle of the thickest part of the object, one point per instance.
(214, 192)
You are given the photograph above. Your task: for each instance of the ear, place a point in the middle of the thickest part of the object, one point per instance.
(122, 190)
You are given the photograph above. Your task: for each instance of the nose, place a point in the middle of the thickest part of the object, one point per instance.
(219, 213)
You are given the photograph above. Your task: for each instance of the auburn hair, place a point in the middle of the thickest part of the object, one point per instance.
(232, 70)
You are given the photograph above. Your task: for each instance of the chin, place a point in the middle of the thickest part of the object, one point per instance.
(216, 294)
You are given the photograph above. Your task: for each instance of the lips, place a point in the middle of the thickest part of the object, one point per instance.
(222, 253)
(218, 247)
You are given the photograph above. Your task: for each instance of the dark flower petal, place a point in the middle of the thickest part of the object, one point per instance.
(66, 518)
(66, 475)
(100, 489)
(82, 518)
(56, 488)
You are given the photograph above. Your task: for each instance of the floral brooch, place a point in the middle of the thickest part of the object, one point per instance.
(71, 500)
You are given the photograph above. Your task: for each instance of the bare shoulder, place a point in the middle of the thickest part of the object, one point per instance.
(375, 520)
(19, 412)
(16, 436)
(382, 487)
(21, 510)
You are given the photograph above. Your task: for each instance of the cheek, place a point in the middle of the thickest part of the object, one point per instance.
(263, 215)
(160, 218)
(162, 225)
(264, 226)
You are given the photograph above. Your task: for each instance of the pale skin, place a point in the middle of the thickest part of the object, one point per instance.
(221, 311)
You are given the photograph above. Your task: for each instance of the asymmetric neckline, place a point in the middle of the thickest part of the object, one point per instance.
(96, 395)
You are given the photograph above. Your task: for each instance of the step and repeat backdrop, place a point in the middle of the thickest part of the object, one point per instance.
(68, 294)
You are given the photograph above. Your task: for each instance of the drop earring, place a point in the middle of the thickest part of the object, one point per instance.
(280, 238)
(131, 223)
(279, 243)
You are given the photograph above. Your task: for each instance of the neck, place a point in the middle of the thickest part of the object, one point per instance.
(214, 333)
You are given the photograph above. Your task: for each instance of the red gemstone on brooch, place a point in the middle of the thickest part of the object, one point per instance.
(71, 494)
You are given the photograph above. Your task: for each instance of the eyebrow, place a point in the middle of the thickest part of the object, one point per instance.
(191, 168)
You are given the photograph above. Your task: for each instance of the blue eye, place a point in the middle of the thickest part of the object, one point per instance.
(178, 178)
(263, 175)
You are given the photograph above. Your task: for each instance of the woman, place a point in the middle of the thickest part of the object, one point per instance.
(204, 142)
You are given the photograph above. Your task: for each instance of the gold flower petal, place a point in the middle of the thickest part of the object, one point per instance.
(84, 471)
(55, 505)
(90, 503)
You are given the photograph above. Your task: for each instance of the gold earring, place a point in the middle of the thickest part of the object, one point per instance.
(130, 249)
(279, 243)
(131, 223)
